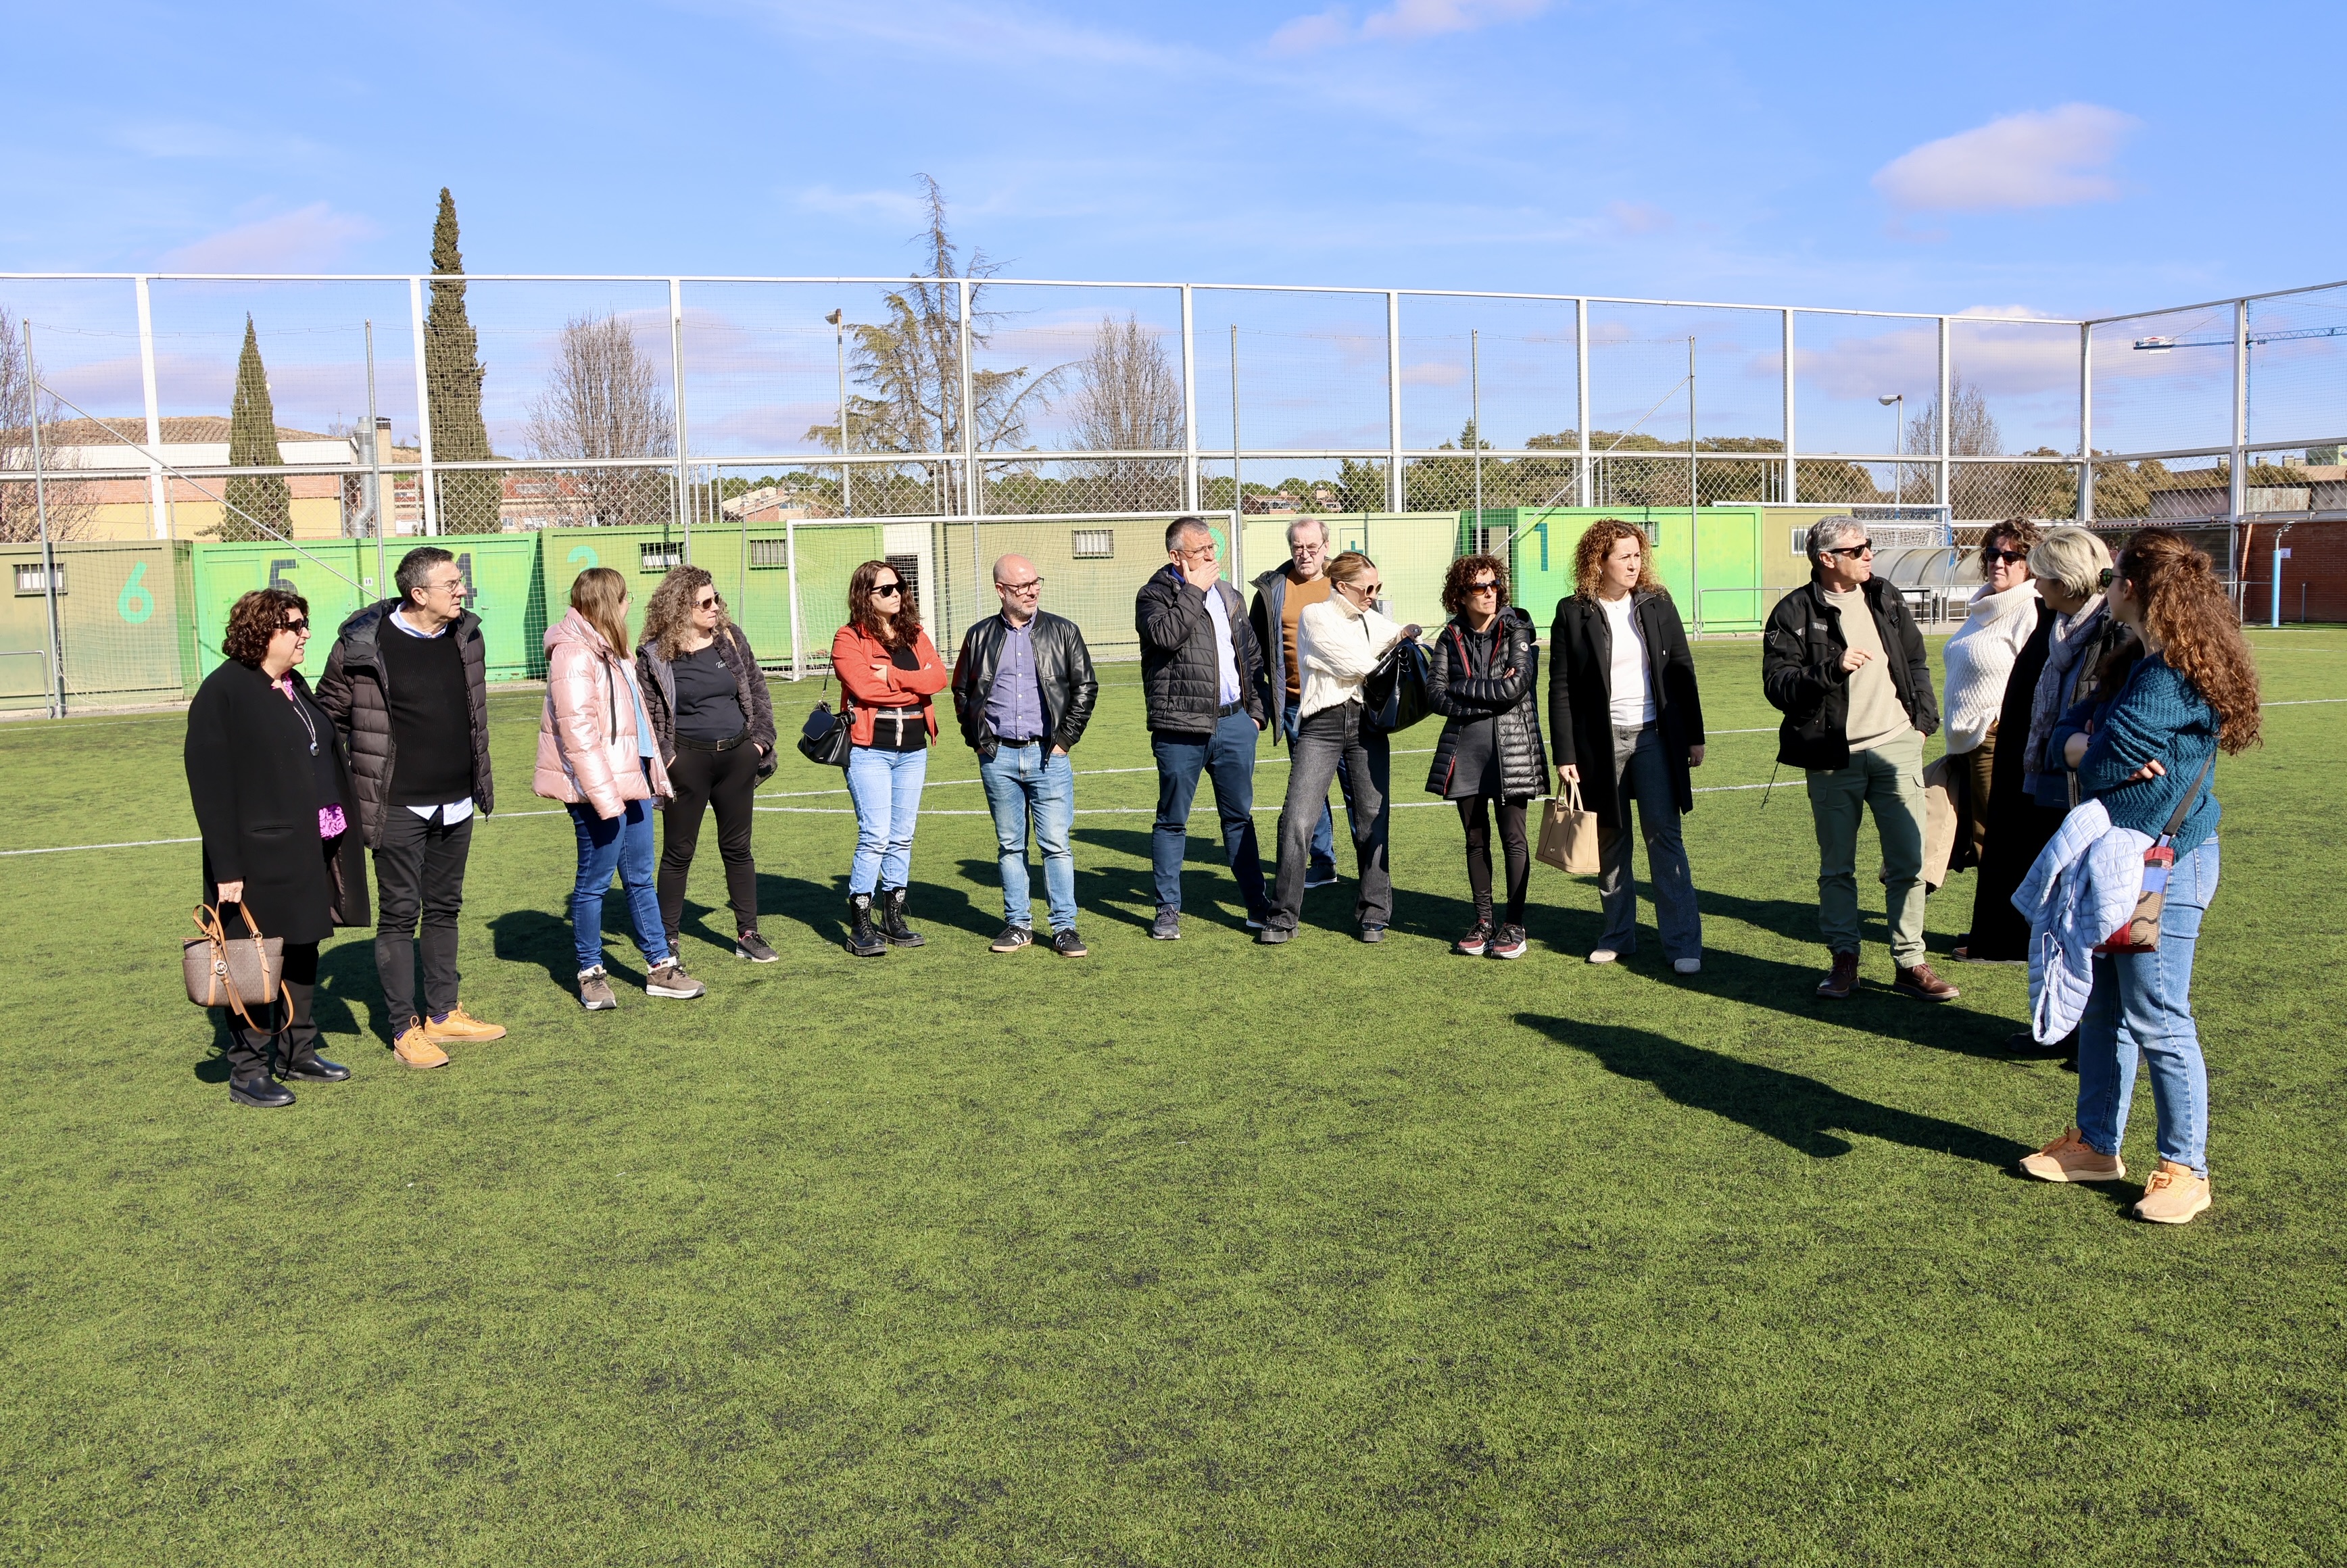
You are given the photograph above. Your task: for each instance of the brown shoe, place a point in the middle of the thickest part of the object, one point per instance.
(2070, 1158)
(415, 1048)
(1921, 984)
(1844, 978)
(2173, 1196)
(458, 1024)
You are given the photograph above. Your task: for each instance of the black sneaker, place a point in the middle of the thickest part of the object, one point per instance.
(1068, 944)
(1014, 937)
(1478, 939)
(1167, 926)
(1319, 875)
(1507, 942)
(261, 1093)
(750, 946)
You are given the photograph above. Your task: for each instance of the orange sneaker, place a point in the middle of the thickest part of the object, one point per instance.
(415, 1048)
(2173, 1196)
(2070, 1158)
(458, 1024)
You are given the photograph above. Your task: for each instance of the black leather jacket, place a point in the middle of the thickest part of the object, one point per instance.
(1063, 668)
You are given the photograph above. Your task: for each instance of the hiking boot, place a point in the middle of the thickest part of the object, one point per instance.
(1921, 984)
(595, 991)
(864, 938)
(1068, 944)
(413, 1048)
(1167, 926)
(1507, 942)
(1478, 938)
(2172, 1197)
(1014, 937)
(262, 1093)
(670, 980)
(750, 946)
(458, 1024)
(2070, 1158)
(1843, 980)
(892, 919)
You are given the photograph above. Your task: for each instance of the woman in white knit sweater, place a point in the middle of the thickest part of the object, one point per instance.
(2002, 618)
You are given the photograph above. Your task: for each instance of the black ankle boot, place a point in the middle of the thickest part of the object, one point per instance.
(863, 940)
(892, 919)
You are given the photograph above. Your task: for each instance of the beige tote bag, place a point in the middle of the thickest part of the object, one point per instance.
(1568, 836)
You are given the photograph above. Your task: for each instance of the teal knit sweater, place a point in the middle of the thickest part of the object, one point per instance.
(2157, 713)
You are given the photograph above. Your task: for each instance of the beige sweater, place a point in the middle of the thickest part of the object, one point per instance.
(1339, 647)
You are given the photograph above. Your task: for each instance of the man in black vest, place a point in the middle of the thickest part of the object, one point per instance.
(408, 685)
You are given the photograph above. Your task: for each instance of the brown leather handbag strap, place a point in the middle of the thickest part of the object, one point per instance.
(208, 921)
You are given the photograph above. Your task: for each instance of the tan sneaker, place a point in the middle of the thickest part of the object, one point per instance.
(2070, 1158)
(415, 1048)
(2173, 1196)
(461, 1025)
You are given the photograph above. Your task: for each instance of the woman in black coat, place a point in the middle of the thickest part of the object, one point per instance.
(1628, 722)
(272, 798)
(1484, 675)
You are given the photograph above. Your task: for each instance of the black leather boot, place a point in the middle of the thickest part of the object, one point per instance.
(863, 939)
(892, 919)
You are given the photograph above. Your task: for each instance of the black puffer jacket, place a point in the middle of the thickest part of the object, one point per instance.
(658, 678)
(1459, 687)
(1178, 675)
(1063, 670)
(352, 690)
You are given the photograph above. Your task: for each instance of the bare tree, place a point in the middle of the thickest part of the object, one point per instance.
(604, 400)
(1972, 432)
(71, 504)
(1128, 398)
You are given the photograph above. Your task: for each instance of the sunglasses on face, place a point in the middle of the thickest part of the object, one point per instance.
(1482, 587)
(298, 628)
(2010, 558)
(1863, 546)
(2105, 578)
(885, 589)
(709, 604)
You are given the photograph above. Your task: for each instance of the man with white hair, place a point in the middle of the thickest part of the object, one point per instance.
(1282, 595)
(1843, 659)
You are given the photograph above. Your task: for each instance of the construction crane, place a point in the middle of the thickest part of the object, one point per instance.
(2256, 340)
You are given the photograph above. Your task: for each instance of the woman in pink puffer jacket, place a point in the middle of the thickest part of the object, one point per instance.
(596, 755)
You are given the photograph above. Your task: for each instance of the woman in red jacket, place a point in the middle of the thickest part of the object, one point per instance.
(889, 670)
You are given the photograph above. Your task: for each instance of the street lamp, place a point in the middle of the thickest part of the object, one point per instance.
(839, 346)
(1896, 403)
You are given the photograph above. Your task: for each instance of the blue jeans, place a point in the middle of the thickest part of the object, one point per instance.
(1226, 755)
(623, 843)
(1028, 780)
(2142, 1006)
(886, 789)
(1641, 774)
(1323, 852)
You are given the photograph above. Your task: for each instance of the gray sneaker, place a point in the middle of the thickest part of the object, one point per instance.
(595, 991)
(750, 946)
(1167, 926)
(671, 980)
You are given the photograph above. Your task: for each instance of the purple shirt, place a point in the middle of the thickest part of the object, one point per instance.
(1014, 708)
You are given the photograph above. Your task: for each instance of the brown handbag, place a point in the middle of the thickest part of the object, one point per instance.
(239, 973)
(1569, 836)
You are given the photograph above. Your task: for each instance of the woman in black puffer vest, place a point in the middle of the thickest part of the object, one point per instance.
(1484, 675)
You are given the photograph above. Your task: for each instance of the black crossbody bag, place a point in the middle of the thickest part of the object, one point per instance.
(827, 737)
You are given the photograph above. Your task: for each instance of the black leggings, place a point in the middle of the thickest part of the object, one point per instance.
(1473, 816)
(727, 780)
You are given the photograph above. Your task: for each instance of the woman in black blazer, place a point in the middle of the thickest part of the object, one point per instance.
(1628, 724)
(271, 791)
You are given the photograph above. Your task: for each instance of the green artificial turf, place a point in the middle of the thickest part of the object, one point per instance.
(1194, 1253)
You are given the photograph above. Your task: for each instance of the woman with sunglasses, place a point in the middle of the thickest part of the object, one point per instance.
(889, 670)
(715, 727)
(271, 791)
(1983, 658)
(1482, 674)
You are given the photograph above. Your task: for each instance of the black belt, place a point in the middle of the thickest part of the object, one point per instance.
(686, 743)
(1007, 740)
(1227, 709)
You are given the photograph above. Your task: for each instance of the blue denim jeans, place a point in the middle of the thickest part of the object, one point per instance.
(1323, 833)
(1225, 754)
(623, 843)
(1023, 783)
(2142, 1007)
(1642, 774)
(886, 789)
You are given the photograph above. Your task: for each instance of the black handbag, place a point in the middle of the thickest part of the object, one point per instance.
(827, 737)
(1393, 698)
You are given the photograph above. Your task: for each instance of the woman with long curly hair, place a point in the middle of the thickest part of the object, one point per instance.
(2194, 693)
(1482, 675)
(715, 727)
(889, 669)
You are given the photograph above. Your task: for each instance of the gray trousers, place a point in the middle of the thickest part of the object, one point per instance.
(1641, 774)
(1328, 737)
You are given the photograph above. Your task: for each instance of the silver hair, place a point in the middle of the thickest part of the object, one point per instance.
(1181, 526)
(2072, 557)
(1307, 523)
(1827, 532)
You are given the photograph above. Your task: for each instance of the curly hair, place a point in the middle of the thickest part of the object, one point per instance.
(2185, 609)
(668, 614)
(890, 630)
(1463, 571)
(1597, 542)
(256, 618)
(2019, 534)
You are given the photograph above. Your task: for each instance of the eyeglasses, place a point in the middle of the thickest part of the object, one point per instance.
(1030, 586)
(883, 590)
(1863, 546)
(1482, 587)
(450, 585)
(2010, 558)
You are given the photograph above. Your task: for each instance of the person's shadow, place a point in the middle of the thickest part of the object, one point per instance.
(1129, 893)
(1799, 1112)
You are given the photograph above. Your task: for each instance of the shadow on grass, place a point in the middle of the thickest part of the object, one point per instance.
(1113, 890)
(1799, 1112)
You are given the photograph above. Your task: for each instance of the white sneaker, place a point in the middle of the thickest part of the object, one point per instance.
(1688, 966)
(1604, 956)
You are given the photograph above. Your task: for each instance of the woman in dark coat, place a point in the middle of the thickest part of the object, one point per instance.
(1628, 724)
(1482, 675)
(272, 798)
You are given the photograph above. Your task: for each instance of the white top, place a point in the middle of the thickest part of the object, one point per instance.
(1980, 659)
(1634, 699)
(1339, 647)
(1226, 663)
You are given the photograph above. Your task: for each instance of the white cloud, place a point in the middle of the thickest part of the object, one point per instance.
(1403, 20)
(2049, 157)
(1309, 35)
(1639, 218)
(309, 240)
(892, 204)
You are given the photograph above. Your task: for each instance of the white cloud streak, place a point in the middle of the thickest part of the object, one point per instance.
(311, 239)
(2059, 157)
(1404, 19)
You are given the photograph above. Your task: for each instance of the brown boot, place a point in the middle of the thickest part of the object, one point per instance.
(1921, 983)
(415, 1048)
(1844, 978)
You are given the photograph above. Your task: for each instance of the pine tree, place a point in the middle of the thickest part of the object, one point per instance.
(452, 373)
(260, 504)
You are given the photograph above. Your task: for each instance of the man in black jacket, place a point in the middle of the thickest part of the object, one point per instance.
(1023, 689)
(1200, 670)
(1843, 661)
(408, 684)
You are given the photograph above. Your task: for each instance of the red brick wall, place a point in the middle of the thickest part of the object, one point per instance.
(2314, 575)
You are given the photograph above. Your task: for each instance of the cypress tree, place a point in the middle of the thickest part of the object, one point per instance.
(263, 500)
(453, 373)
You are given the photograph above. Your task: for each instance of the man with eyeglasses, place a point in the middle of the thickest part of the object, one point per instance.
(1023, 689)
(1843, 659)
(1202, 676)
(407, 683)
(1282, 595)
